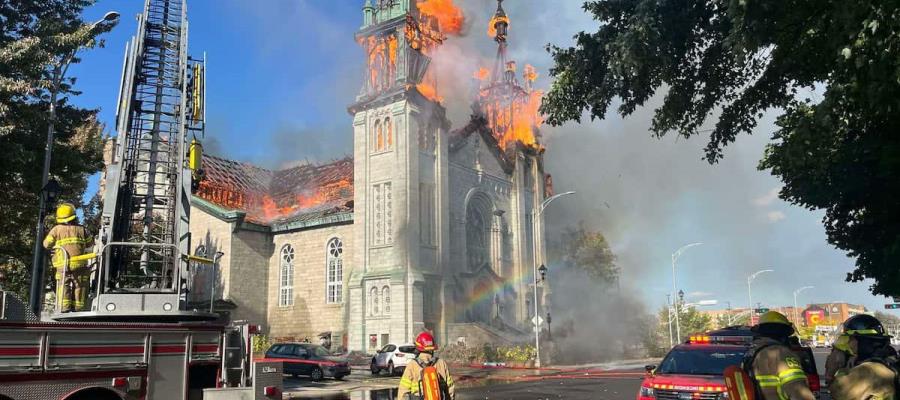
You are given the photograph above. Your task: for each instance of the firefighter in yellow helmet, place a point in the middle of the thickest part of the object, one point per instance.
(874, 372)
(775, 369)
(841, 357)
(69, 239)
(426, 377)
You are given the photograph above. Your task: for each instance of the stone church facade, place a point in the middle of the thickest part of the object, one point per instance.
(424, 227)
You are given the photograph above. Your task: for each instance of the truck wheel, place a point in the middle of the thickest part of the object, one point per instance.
(316, 374)
(374, 368)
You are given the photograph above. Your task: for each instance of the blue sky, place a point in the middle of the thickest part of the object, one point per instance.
(281, 73)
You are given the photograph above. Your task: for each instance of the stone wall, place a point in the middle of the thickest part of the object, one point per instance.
(214, 235)
(310, 314)
(248, 275)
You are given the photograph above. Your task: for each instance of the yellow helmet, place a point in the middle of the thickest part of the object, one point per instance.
(65, 213)
(774, 317)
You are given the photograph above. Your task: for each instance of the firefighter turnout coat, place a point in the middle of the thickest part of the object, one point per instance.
(72, 238)
(870, 380)
(412, 376)
(778, 372)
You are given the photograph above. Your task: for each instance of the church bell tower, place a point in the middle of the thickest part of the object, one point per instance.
(399, 129)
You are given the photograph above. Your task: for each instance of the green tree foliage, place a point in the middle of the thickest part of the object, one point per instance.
(724, 320)
(589, 251)
(691, 321)
(34, 37)
(887, 319)
(726, 62)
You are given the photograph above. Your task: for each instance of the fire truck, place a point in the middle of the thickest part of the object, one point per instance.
(145, 334)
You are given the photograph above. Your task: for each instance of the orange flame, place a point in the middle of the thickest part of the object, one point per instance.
(517, 119)
(530, 73)
(449, 16)
(482, 74)
(492, 26)
(263, 208)
(429, 91)
(382, 55)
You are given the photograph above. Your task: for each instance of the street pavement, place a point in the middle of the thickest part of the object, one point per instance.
(574, 382)
(482, 383)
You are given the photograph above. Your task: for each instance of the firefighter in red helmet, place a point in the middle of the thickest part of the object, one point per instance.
(427, 377)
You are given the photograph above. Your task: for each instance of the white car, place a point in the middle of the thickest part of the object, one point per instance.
(393, 358)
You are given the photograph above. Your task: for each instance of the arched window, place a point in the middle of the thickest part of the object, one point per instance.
(334, 271)
(386, 298)
(373, 301)
(379, 136)
(388, 133)
(286, 277)
(478, 226)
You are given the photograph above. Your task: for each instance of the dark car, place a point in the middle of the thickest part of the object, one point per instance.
(308, 359)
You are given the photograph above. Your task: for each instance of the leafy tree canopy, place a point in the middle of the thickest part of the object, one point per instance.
(589, 251)
(719, 64)
(34, 37)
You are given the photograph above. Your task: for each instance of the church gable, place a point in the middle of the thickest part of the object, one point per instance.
(474, 145)
(278, 198)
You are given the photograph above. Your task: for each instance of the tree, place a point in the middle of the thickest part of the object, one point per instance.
(728, 62)
(732, 320)
(887, 319)
(690, 320)
(589, 251)
(34, 36)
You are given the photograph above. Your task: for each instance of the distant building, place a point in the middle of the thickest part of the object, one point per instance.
(834, 313)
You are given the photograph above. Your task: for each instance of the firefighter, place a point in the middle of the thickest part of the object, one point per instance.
(774, 368)
(427, 377)
(839, 358)
(874, 372)
(69, 239)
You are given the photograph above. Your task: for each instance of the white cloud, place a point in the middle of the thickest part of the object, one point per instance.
(767, 198)
(693, 295)
(775, 216)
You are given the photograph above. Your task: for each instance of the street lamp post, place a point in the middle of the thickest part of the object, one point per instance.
(537, 327)
(675, 256)
(796, 315)
(750, 293)
(59, 71)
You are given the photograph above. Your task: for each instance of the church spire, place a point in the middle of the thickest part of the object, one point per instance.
(498, 27)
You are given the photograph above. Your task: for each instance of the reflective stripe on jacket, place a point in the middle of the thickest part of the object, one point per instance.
(72, 238)
(779, 373)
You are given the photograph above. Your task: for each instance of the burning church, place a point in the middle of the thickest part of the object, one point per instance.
(426, 226)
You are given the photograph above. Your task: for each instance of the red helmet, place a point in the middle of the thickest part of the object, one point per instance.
(425, 342)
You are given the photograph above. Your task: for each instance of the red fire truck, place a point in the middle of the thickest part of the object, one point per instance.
(143, 336)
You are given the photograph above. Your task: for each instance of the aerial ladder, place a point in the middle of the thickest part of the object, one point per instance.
(142, 338)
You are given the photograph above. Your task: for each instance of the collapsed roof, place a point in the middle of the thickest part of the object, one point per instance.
(268, 197)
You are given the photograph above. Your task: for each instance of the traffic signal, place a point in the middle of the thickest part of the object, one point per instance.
(895, 306)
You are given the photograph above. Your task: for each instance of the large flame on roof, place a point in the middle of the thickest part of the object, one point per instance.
(517, 118)
(265, 208)
(449, 16)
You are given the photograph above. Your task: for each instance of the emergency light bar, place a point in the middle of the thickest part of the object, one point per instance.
(704, 339)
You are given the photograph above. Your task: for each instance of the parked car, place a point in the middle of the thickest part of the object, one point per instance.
(393, 358)
(308, 359)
